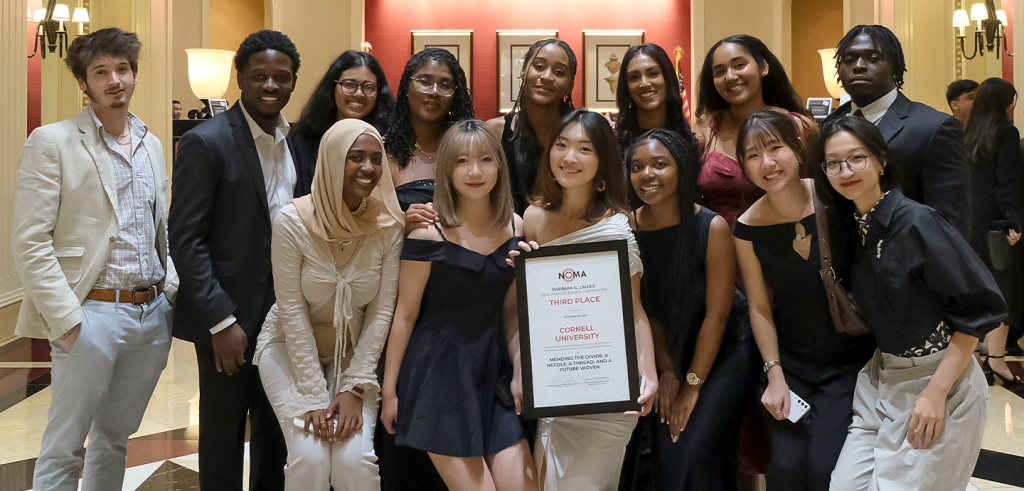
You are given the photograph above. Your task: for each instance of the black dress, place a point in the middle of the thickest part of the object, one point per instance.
(820, 364)
(453, 393)
(704, 458)
(405, 468)
(521, 174)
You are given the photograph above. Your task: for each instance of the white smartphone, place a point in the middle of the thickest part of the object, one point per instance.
(797, 407)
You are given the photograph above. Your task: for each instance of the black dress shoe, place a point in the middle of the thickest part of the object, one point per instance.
(1013, 349)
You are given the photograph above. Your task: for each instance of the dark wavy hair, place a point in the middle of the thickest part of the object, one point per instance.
(110, 41)
(988, 119)
(686, 274)
(548, 192)
(399, 137)
(776, 90)
(321, 109)
(262, 41)
(884, 40)
(841, 222)
(525, 145)
(626, 127)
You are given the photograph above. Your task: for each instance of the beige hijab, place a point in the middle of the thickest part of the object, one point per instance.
(324, 212)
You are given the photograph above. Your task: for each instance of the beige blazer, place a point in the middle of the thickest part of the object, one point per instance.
(65, 225)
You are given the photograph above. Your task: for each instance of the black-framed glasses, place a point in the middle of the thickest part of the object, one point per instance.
(445, 87)
(855, 163)
(349, 87)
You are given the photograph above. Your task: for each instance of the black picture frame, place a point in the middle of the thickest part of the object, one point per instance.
(522, 262)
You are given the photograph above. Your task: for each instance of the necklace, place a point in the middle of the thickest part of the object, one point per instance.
(343, 244)
(428, 157)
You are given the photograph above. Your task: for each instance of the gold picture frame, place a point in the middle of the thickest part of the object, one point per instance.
(512, 47)
(457, 42)
(603, 51)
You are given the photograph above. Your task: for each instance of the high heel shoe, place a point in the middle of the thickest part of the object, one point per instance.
(1015, 380)
(987, 370)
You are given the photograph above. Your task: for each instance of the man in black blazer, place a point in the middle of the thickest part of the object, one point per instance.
(230, 177)
(926, 145)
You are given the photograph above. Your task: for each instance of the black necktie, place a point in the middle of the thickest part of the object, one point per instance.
(858, 113)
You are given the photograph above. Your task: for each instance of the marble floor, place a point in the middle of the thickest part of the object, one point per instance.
(162, 454)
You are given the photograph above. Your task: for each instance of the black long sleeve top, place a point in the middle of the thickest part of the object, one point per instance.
(914, 271)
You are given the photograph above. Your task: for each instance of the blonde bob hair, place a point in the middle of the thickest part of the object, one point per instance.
(457, 141)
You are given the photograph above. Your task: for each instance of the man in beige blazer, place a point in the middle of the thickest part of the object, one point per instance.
(90, 246)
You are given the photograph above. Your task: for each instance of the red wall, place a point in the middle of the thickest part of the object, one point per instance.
(389, 22)
(35, 70)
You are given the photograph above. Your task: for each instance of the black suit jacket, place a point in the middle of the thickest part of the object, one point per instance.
(928, 147)
(220, 230)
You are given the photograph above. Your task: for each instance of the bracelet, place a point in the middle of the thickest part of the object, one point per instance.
(771, 363)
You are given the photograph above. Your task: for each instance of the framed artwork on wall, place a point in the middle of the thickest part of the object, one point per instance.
(602, 65)
(512, 48)
(458, 43)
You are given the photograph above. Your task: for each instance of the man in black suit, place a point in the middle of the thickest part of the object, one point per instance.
(926, 145)
(231, 176)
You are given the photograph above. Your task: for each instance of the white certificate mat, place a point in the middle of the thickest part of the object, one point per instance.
(579, 353)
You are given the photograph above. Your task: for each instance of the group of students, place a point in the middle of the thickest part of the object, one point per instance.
(387, 341)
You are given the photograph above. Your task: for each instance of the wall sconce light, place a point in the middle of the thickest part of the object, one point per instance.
(209, 72)
(51, 33)
(81, 17)
(980, 15)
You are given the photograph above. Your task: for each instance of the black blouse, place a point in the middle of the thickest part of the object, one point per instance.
(809, 345)
(914, 271)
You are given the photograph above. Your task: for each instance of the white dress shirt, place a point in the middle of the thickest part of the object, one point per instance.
(875, 111)
(278, 173)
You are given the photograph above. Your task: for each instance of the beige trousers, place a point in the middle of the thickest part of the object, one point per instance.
(582, 452)
(877, 456)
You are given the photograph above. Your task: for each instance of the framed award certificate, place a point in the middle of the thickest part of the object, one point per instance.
(576, 333)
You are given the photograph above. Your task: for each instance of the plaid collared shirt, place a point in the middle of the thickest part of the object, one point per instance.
(134, 262)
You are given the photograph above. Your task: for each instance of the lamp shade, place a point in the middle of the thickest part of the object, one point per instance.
(209, 71)
(81, 15)
(829, 72)
(1001, 15)
(960, 18)
(61, 12)
(39, 15)
(979, 12)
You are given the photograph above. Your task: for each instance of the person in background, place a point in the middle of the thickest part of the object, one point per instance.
(698, 323)
(778, 251)
(354, 86)
(921, 402)
(335, 255)
(433, 94)
(993, 148)
(960, 97)
(232, 175)
(90, 245)
(545, 96)
(175, 109)
(926, 145)
(448, 361)
(580, 197)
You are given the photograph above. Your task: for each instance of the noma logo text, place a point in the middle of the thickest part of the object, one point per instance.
(568, 275)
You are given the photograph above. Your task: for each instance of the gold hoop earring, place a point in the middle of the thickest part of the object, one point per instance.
(600, 187)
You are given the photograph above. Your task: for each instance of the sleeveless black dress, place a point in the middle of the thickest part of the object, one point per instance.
(419, 192)
(453, 394)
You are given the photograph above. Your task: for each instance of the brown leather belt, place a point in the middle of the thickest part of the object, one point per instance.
(135, 297)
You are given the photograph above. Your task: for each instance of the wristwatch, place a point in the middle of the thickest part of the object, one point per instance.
(771, 363)
(693, 379)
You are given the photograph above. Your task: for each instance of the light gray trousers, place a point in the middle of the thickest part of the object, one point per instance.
(877, 456)
(100, 389)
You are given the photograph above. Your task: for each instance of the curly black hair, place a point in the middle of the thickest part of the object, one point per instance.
(525, 145)
(399, 137)
(263, 40)
(776, 90)
(885, 41)
(321, 110)
(626, 127)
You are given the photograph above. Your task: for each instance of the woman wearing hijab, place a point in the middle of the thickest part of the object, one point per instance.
(335, 255)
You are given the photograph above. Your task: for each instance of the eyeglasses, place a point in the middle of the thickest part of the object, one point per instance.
(445, 87)
(349, 87)
(855, 163)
